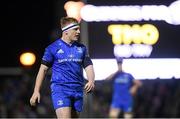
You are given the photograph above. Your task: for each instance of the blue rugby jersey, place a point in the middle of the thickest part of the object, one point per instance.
(67, 65)
(122, 84)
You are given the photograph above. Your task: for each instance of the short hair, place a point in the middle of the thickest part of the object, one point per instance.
(67, 20)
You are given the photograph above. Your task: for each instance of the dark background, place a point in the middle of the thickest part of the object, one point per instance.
(31, 25)
(27, 26)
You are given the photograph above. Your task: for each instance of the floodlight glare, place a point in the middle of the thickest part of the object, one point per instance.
(27, 58)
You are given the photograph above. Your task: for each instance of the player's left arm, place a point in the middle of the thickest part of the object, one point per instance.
(90, 77)
(88, 66)
(136, 85)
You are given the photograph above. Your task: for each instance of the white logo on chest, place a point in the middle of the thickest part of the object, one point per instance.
(60, 51)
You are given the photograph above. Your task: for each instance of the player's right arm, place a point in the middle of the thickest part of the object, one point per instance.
(39, 79)
(111, 76)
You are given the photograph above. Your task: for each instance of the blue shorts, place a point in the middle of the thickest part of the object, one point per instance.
(125, 105)
(72, 99)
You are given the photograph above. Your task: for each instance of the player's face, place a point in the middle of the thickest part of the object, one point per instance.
(74, 34)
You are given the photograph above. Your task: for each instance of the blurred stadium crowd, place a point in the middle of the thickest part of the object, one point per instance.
(155, 99)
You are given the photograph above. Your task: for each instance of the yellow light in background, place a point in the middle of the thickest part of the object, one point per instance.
(126, 34)
(136, 34)
(73, 9)
(150, 35)
(27, 58)
(116, 31)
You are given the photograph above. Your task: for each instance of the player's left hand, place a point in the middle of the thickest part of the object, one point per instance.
(35, 97)
(89, 86)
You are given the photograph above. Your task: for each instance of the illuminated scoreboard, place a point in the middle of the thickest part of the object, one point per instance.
(133, 30)
(144, 33)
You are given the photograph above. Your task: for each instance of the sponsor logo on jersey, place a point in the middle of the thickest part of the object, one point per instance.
(69, 60)
(71, 55)
(121, 80)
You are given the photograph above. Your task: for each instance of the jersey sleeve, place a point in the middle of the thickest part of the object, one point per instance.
(47, 58)
(87, 60)
(131, 77)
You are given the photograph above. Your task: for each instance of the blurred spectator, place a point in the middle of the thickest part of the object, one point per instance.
(124, 88)
(156, 98)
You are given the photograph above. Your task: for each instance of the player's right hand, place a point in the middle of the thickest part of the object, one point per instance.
(35, 97)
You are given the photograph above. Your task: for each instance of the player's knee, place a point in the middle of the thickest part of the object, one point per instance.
(128, 115)
(113, 114)
(63, 112)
